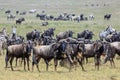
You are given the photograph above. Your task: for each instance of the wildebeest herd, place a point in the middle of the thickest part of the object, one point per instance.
(62, 47)
(45, 17)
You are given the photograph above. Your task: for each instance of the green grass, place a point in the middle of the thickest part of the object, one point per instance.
(56, 7)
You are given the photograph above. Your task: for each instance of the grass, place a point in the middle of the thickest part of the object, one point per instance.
(56, 7)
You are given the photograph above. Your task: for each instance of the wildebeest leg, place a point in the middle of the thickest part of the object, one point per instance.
(55, 64)
(47, 64)
(71, 62)
(97, 63)
(37, 64)
(6, 61)
(28, 63)
(16, 62)
(11, 60)
(35, 60)
(80, 62)
(86, 60)
(112, 62)
(24, 63)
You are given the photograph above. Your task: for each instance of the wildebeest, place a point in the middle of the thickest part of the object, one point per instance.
(86, 34)
(23, 13)
(16, 40)
(48, 32)
(47, 52)
(112, 49)
(63, 35)
(33, 35)
(44, 23)
(8, 11)
(107, 16)
(18, 51)
(20, 20)
(73, 51)
(99, 49)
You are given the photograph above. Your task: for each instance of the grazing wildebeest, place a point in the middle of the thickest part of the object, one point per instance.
(86, 34)
(44, 23)
(63, 35)
(42, 16)
(20, 20)
(8, 12)
(107, 17)
(112, 49)
(18, 51)
(23, 13)
(47, 52)
(49, 17)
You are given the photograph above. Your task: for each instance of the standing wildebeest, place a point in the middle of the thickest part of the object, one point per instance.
(33, 35)
(107, 17)
(63, 35)
(47, 52)
(112, 49)
(49, 32)
(18, 51)
(73, 50)
(86, 34)
(99, 49)
(20, 20)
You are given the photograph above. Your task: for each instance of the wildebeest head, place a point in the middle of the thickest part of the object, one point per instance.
(24, 47)
(81, 46)
(28, 47)
(63, 46)
(70, 33)
(96, 46)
